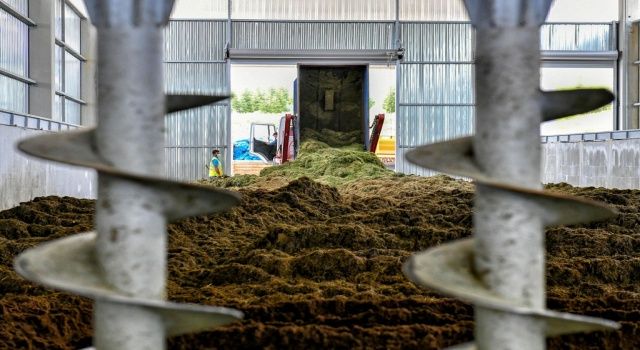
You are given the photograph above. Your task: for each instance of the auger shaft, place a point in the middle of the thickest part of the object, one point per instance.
(131, 243)
(509, 235)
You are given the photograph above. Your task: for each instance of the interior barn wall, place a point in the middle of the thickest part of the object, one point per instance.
(23, 178)
(610, 163)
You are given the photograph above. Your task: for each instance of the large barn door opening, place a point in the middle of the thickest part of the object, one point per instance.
(333, 104)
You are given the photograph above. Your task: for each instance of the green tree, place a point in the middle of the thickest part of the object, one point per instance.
(259, 101)
(372, 103)
(274, 100)
(271, 102)
(279, 100)
(244, 103)
(389, 104)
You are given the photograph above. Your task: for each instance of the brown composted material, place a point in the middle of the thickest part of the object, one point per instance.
(314, 266)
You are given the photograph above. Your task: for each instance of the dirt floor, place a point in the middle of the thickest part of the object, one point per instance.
(314, 266)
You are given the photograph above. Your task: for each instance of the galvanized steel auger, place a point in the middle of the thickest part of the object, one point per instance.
(123, 265)
(501, 270)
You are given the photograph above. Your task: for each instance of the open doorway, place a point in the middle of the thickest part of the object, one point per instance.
(262, 94)
(332, 104)
(332, 101)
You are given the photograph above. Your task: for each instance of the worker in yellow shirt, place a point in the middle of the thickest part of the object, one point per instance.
(215, 166)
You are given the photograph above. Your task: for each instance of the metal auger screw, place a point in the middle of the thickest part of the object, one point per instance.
(502, 269)
(124, 266)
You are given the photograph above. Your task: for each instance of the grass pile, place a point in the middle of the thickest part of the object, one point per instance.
(334, 138)
(334, 166)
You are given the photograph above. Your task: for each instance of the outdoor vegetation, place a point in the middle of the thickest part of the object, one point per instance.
(389, 104)
(274, 100)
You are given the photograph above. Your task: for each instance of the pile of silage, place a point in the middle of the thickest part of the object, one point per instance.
(317, 161)
(313, 266)
(334, 138)
(331, 166)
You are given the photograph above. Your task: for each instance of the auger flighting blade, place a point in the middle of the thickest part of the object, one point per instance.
(69, 264)
(558, 104)
(501, 270)
(176, 103)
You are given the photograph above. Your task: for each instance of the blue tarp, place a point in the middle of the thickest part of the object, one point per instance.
(241, 151)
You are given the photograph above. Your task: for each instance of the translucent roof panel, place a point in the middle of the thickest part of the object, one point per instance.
(433, 10)
(375, 10)
(200, 9)
(583, 11)
(358, 10)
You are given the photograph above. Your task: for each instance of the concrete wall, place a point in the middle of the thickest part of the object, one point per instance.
(610, 163)
(23, 178)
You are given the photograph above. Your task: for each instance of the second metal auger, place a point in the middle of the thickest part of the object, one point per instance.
(501, 270)
(123, 266)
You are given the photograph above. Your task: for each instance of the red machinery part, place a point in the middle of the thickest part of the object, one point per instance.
(375, 132)
(286, 139)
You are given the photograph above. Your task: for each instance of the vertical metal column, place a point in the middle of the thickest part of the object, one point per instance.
(131, 244)
(502, 269)
(229, 154)
(124, 266)
(628, 80)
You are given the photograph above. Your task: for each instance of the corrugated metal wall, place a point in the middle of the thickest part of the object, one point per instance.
(435, 96)
(191, 135)
(270, 35)
(194, 63)
(577, 37)
(434, 80)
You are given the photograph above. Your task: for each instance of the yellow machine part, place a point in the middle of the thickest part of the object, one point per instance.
(386, 146)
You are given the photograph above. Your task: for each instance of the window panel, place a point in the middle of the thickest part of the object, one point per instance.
(59, 19)
(72, 112)
(13, 95)
(72, 67)
(58, 107)
(22, 6)
(59, 64)
(14, 41)
(71, 29)
(68, 68)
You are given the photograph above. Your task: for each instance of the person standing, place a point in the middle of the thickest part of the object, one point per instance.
(273, 145)
(215, 166)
